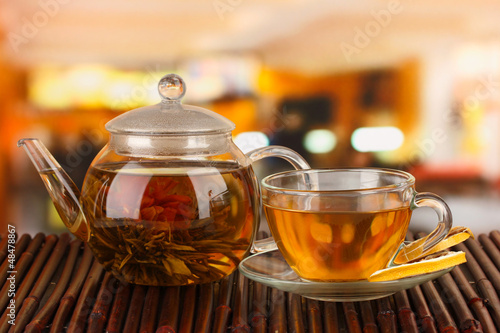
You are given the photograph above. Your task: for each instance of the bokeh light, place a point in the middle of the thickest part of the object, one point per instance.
(248, 141)
(376, 139)
(320, 141)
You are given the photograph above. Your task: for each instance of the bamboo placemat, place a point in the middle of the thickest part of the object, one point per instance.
(60, 288)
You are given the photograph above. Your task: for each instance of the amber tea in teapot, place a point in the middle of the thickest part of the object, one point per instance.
(168, 226)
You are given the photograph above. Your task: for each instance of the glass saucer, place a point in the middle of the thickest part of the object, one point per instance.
(271, 269)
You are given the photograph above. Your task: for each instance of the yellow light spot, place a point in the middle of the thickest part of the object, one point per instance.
(390, 218)
(347, 233)
(378, 224)
(321, 232)
(234, 207)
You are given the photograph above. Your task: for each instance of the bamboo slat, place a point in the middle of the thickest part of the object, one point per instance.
(240, 306)
(484, 286)
(406, 316)
(99, 315)
(295, 317)
(277, 311)
(205, 308)
(314, 316)
(444, 319)
(19, 248)
(425, 319)
(135, 310)
(223, 310)
(259, 308)
(169, 310)
(485, 262)
(119, 309)
(30, 303)
(45, 314)
(454, 299)
(3, 247)
(151, 302)
(61, 288)
(31, 277)
(70, 297)
(368, 317)
(351, 316)
(85, 300)
(490, 248)
(331, 322)
(476, 303)
(186, 321)
(21, 267)
(495, 237)
(386, 316)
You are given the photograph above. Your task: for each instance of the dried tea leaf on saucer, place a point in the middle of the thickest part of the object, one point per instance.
(430, 263)
(414, 250)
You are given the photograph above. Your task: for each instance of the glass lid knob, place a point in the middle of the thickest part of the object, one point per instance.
(171, 87)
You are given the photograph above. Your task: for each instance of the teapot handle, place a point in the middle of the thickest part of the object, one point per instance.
(297, 161)
(285, 153)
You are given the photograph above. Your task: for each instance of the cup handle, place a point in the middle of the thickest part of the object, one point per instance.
(419, 248)
(297, 161)
(426, 199)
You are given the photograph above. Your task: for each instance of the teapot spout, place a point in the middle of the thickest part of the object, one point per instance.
(61, 188)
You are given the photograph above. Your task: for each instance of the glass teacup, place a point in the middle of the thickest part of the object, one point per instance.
(345, 224)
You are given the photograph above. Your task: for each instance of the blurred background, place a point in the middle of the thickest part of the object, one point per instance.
(408, 85)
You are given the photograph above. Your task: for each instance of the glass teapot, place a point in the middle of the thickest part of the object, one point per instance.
(170, 199)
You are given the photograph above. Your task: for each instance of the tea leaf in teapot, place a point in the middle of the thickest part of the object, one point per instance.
(180, 247)
(178, 266)
(167, 266)
(218, 262)
(171, 229)
(125, 260)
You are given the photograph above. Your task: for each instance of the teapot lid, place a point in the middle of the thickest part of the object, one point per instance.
(170, 116)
